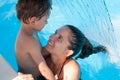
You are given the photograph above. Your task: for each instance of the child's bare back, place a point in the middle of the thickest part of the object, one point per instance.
(25, 46)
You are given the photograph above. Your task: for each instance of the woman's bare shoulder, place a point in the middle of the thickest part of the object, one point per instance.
(71, 70)
(71, 64)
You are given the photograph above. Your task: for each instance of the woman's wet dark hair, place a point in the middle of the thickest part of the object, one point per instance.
(81, 45)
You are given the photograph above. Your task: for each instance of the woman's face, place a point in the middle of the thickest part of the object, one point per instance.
(58, 42)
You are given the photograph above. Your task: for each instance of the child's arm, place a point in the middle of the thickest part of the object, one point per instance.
(45, 71)
(35, 53)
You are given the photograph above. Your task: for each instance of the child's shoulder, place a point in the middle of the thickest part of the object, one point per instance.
(34, 44)
(27, 41)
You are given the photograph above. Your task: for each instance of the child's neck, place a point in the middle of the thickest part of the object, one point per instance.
(27, 30)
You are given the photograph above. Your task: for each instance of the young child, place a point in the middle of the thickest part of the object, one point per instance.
(33, 15)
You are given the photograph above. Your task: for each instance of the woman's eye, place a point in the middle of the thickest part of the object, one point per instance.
(59, 39)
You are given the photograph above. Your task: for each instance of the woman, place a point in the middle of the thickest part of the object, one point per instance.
(62, 46)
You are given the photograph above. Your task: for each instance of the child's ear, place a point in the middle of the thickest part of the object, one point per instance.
(69, 53)
(32, 20)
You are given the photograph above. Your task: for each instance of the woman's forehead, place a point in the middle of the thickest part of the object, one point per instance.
(64, 29)
(65, 32)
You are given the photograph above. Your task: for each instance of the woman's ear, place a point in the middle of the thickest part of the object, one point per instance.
(69, 53)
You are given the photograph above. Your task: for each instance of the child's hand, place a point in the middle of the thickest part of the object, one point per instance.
(23, 77)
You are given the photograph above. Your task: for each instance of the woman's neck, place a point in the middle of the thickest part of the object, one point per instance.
(54, 62)
(58, 61)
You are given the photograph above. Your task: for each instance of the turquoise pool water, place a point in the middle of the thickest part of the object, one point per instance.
(91, 17)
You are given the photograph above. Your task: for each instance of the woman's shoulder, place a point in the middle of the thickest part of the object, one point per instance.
(72, 70)
(71, 64)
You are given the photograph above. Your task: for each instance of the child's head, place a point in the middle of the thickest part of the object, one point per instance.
(32, 8)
